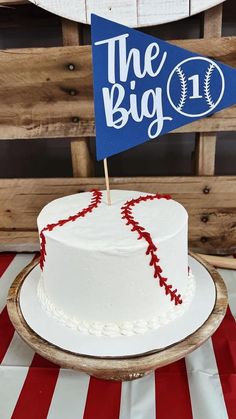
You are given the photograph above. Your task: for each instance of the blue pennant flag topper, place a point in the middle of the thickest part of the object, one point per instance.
(145, 87)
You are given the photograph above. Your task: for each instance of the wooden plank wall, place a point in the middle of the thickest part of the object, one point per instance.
(206, 141)
(210, 202)
(81, 159)
(135, 13)
(57, 102)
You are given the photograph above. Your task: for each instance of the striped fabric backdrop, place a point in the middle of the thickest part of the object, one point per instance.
(201, 386)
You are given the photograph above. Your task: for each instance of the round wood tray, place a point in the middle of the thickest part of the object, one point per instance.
(112, 368)
(135, 14)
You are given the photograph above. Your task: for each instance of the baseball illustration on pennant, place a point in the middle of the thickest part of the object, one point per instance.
(195, 86)
(150, 87)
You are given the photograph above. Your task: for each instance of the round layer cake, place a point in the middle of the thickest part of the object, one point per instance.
(114, 269)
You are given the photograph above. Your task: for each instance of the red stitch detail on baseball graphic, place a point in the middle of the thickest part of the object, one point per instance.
(126, 212)
(95, 201)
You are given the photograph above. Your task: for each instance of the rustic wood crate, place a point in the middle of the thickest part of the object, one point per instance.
(47, 92)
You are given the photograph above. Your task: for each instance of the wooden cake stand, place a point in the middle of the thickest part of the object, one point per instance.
(117, 368)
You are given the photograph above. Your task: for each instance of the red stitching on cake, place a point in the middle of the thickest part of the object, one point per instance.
(95, 201)
(126, 211)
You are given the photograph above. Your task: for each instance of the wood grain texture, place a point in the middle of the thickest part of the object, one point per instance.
(220, 261)
(19, 241)
(117, 368)
(206, 142)
(153, 12)
(212, 25)
(71, 35)
(124, 12)
(129, 12)
(40, 93)
(82, 163)
(40, 96)
(210, 201)
(205, 153)
(71, 9)
(197, 6)
(12, 2)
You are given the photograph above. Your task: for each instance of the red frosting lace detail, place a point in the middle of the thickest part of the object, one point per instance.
(95, 201)
(126, 211)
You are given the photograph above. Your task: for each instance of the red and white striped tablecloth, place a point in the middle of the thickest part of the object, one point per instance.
(201, 386)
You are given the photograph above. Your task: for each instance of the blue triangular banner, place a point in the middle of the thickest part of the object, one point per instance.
(145, 87)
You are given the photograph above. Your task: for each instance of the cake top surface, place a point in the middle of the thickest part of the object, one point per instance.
(102, 227)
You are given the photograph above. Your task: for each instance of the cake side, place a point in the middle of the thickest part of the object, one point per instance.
(117, 328)
(99, 274)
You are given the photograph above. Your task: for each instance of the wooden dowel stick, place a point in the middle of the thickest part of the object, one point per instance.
(219, 261)
(107, 181)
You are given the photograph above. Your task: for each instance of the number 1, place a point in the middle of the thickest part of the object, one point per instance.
(195, 79)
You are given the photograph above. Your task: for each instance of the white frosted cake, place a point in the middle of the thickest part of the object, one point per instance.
(114, 270)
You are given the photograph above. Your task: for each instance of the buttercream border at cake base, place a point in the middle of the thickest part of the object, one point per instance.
(113, 329)
(121, 346)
